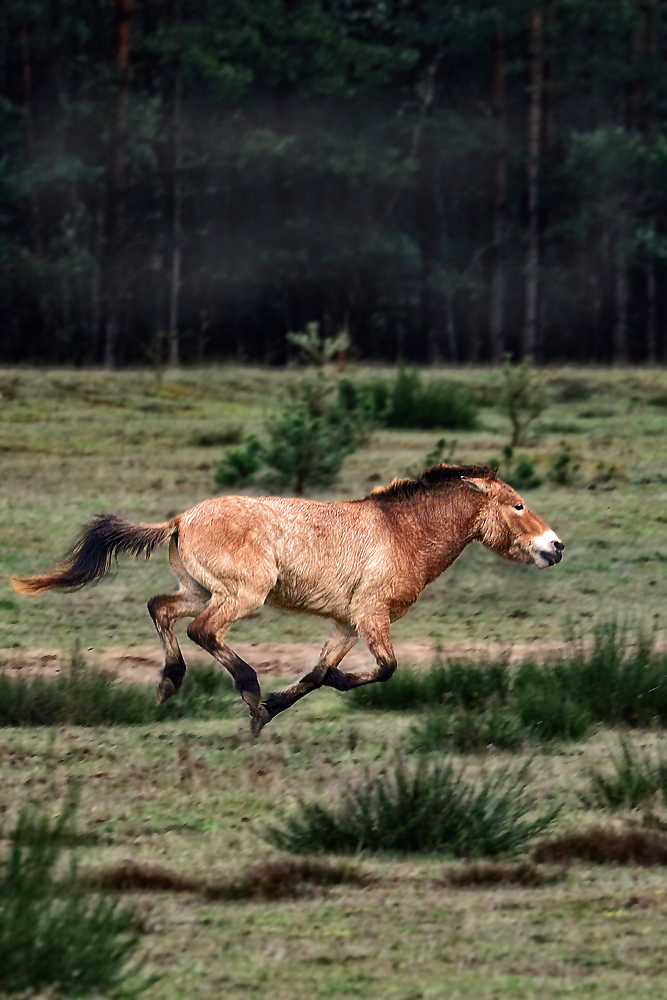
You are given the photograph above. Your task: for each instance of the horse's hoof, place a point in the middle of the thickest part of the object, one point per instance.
(259, 718)
(165, 690)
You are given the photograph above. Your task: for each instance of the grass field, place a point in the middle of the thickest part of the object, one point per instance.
(194, 797)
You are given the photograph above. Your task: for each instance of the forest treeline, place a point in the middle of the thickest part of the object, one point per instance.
(185, 180)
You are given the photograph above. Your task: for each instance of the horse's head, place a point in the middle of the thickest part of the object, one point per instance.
(507, 527)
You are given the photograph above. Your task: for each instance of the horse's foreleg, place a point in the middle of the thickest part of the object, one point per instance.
(375, 630)
(208, 630)
(333, 651)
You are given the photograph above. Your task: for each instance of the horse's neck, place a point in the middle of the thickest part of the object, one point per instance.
(438, 527)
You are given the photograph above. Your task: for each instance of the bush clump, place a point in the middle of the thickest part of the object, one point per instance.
(437, 404)
(305, 445)
(429, 807)
(53, 936)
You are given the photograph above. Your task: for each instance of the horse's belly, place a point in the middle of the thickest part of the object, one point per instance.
(315, 598)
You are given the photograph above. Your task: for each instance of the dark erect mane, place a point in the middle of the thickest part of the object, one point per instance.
(437, 475)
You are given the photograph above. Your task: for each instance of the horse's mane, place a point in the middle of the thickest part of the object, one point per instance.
(437, 475)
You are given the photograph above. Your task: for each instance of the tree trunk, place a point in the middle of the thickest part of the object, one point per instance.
(114, 216)
(497, 312)
(620, 344)
(533, 175)
(177, 199)
(651, 315)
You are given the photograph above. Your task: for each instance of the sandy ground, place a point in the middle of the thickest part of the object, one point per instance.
(142, 664)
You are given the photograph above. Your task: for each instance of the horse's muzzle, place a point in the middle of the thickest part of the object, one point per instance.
(547, 549)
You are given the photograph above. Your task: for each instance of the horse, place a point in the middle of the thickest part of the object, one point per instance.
(362, 563)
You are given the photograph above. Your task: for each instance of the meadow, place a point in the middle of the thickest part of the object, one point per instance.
(192, 798)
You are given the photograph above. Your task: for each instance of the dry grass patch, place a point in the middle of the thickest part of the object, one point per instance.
(485, 874)
(284, 878)
(606, 845)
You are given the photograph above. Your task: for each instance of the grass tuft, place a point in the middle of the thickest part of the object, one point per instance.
(429, 807)
(637, 777)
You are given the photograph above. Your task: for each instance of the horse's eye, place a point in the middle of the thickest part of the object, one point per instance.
(518, 506)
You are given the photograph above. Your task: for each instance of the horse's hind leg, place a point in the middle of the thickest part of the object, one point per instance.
(208, 631)
(333, 651)
(165, 609)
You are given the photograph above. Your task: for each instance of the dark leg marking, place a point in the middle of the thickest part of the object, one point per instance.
(333, 651)
(341, 681)
(204, 633)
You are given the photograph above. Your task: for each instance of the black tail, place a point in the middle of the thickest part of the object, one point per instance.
(105, 537)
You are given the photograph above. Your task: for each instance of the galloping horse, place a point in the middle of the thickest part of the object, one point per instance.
(362, 563)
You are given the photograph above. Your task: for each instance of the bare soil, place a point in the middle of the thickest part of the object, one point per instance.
(140, 664)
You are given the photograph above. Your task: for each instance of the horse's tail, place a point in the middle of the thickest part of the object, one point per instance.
(105, 537)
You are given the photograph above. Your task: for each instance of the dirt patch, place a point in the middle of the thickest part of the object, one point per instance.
(141, 664)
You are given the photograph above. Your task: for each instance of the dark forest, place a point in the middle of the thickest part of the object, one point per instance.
(183, 182)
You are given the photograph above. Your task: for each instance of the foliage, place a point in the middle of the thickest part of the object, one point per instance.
(316, 349)
(563, 469)
(307, 448)
(240, 465)
(519, 473)
(307, 443)
(443, 452)
(636, 777)
(437, 404)
(316, 207)
(429, 807)
(82, 696)
(522, 398)
(52, 935)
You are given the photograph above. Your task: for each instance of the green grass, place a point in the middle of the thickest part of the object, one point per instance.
(83, 696)
(73, 443)
(193, 796)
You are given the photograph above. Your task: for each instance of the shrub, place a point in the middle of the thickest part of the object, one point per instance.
(637, 776)
(52, 936)
(522, 397)
(315, 349)
(307, 443)
(520, 474)
(427, 808)
(563, 469)
(306, 450)
(437, 404)
(240, 465)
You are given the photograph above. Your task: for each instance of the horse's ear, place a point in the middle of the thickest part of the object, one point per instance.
(479, 485)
